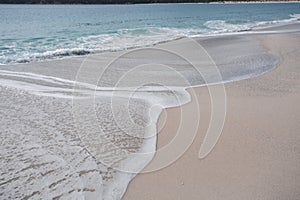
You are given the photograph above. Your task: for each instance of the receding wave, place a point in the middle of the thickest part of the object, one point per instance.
(222, 26)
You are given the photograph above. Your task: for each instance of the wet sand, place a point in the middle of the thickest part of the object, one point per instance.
(258, 153)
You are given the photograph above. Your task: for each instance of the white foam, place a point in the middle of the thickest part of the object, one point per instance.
(220, 26)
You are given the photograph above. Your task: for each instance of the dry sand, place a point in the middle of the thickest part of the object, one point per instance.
(258, 153)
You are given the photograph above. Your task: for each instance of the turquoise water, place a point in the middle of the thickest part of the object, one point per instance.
(37, 32)
(82, 123)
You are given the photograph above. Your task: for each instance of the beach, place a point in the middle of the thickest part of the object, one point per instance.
(257, 155)
(133, 115)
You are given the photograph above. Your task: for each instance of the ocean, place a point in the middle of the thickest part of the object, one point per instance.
(38, 32)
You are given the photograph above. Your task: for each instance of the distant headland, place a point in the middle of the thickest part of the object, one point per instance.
(124, 1)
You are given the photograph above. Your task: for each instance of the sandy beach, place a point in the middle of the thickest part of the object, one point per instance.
(258, 153)
(87, 124)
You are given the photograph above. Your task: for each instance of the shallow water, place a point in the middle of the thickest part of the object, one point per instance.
(83, 127)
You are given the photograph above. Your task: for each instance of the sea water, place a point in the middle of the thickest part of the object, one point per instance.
(82, 127)
(38, 32)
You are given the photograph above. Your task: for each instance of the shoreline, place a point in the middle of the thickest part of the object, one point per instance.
(150, 185)
(58, 75)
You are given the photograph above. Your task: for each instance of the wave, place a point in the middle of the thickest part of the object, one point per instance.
(221, 26)
(47, 55)
(264, 24)
(122, 39)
